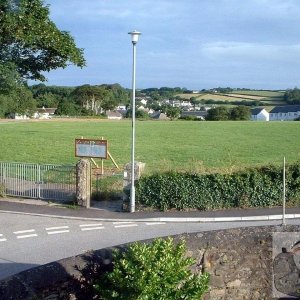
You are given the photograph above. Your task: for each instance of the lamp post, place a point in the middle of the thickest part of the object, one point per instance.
(134, 39)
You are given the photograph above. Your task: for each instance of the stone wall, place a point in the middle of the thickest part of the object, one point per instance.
(240, 262)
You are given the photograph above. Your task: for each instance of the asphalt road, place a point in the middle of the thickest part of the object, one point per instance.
(27, 241)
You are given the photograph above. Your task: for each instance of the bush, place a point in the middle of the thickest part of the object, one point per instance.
(260, 187)
(2, 191)
(159, 270)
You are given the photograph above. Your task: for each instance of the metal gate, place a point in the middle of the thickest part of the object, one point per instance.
(51, 182)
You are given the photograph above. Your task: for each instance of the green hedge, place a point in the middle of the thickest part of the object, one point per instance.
(259, 187)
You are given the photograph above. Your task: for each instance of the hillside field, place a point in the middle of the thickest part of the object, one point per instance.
(266, 97)
(162, 145)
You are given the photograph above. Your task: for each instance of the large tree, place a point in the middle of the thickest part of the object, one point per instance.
(240, 112)
(219, 113)
(32, 42)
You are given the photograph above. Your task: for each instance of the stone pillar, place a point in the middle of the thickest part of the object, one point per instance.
(139, 168)
(83, 183)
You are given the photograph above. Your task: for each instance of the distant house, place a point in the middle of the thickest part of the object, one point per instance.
(44, 113)
(114, 115)
(121, 107)
(159, 116)
(18, 116)
(123, 112)
(285, 113)
(259, 114)
(198, 114)
(144, 101)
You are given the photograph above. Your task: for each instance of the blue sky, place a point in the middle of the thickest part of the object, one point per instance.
(192, 43)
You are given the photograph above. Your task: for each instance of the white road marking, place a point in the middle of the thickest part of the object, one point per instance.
(55, 228)
(155, 223)
(24, 231)
(1, 234)
(126, 225)
(92, 228)
(3, 240)
(26, 236)
(57, 232)
(90, 225)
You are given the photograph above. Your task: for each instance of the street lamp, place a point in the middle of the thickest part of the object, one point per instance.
(134, 39)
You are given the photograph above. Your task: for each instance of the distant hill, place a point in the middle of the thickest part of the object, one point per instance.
(264, 97)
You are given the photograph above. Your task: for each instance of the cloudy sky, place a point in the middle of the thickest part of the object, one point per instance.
(192, 43)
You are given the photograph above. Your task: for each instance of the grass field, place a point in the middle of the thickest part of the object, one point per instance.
(162, 145)
(267, 97)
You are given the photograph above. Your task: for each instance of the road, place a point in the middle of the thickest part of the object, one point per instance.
(27, 241)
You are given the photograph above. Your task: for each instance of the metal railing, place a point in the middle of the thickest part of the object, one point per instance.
(38, 181)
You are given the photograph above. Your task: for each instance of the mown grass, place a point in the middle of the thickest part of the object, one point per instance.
(162, 145)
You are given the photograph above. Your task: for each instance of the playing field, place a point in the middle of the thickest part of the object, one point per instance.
(162, 145)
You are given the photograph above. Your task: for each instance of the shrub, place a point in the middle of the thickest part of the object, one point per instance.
(159, 270)
(2, 191)
(259, 187)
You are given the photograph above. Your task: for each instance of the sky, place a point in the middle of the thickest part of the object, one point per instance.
(193, 44)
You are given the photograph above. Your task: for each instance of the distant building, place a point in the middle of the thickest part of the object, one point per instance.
(159, 116)
(285, 113)
(18, 116)
(121, 107)
(259, 114)
(114, 115)
(198, 114)
(44, 113)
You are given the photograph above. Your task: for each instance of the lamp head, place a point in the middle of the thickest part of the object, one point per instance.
(134, 36)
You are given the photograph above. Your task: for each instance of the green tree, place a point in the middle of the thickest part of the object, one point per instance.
(47, 100)
(159, 270)
(90, 97)
(292, 96)
(240, 112)
(173, 112)
(32, 42)
(194, 101)
(219, 113)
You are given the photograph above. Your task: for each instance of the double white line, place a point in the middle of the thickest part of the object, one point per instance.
(124, 224)
(87, 227)
(57, 230)
(29, 233)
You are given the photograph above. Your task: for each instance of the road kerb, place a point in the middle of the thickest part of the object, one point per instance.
(165, 219)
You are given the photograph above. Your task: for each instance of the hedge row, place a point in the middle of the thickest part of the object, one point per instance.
(259, 187)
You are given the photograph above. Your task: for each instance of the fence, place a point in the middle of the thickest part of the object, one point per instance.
(39, 181)
(107, 186)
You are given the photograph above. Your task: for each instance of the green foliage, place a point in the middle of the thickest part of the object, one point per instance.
(2, 191)
(173, 112)
(220, 113)
(240, 113)
(259, 187)
(156, 271)
(292, 96)
(30, 40)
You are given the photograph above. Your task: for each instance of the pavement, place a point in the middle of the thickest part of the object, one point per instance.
(112, 211)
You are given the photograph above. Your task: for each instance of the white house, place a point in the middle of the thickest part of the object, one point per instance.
(17, 116)
(259, 114)
(114, 115)
(285, 113)
(44, 113)
(144, 102)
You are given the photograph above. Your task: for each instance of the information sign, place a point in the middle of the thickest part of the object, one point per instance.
(91, 148)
